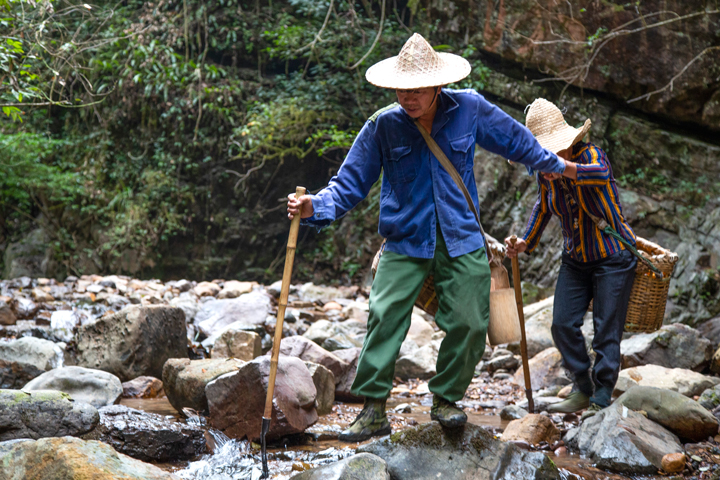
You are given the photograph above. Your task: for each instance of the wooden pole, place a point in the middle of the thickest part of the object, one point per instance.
(282, 306)
(521, 316)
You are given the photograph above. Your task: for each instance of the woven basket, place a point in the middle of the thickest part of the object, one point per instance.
(648, 297)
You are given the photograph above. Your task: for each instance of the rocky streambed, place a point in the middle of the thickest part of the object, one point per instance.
(143, 379)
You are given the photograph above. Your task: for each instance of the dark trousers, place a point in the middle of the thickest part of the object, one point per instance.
(608, 281)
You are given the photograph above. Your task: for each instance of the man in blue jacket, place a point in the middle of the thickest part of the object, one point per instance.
(429, 227)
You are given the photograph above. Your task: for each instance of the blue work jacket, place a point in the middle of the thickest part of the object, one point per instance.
(417, 193)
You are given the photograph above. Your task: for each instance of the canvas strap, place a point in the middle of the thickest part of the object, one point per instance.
(445, 162)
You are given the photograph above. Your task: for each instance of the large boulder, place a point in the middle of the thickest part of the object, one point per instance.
(624, 441)
(251, 308)
(711, 331)
(672, 346)
(362, 466)
(69, 458)
(143, 387)
(427, 451)
(184, 380)
(23, 359)
(533, 429)
(293, 404)
(41, 414)
(546, 370)
(134, 342)
(685, 382)
(240, 344)
(95, 387)
(309, 351)
(148, 436)
(683, 416)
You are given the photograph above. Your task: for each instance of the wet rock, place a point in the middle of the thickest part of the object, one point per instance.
(308, 351)
(95, 387)
(184, 380)
(624, 441)
(239, 344)
(134, 342)
(206, 289)
(546, 370)
(41, 414)
(425, 452)
(533, 429)
(683, 416)
(143, 387)
(324, 382)
(148, 436)
(344, 383)
(363, 466)
(69, 458)
(250, 308)
(512, 412)
(673, 462)
(293, 405)
(7, 316)
(685, 382)
(23, 359)
(233, 289)
(672, 346)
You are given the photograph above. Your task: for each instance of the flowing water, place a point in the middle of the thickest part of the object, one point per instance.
(232, 459)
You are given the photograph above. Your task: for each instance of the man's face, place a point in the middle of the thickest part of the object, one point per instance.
(416, 102)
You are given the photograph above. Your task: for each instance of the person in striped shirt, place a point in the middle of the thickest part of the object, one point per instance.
(595, 266)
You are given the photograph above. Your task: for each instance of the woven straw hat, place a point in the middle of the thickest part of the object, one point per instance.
(552, 132)
(418, 66)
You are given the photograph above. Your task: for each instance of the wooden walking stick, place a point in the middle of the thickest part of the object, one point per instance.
(282, 305)
(521, 316)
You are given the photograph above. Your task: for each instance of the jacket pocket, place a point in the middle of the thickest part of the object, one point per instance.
(460, 149)
(400, 166)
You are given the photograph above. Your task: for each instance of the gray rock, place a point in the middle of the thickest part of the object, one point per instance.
(134, 342)
(710, 398)
(348, 332)
(214, 315)
(685, 382)
(672, 346)
(148, 436)
(240, 344)
(430, 452)
(683, 416)
(512, 412)
(711, 331)
(343, 385)
(41, 414)
(324, 381)
(310, 292)
(95, 387)
(308, 351)
(69, 458)
(28, 257)
(209, 342)
(23, 359)
(546, 370)
(624, 441)
(293, 404)
(25, 308)
(184, 380)
(417, 363)
(187, 303)
(363, 466)
(505, 362)
(341, 341)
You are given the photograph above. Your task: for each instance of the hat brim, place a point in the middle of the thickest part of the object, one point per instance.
(565, 138)
(385, 74)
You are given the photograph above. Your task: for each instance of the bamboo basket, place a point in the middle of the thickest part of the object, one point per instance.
(648, 297)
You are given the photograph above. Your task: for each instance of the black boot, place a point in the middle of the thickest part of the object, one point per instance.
(447, 413)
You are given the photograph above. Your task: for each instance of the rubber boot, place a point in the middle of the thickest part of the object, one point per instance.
(447, 413)
(370, 422)
(574, 402)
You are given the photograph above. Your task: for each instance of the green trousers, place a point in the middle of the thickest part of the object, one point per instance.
(462, 285)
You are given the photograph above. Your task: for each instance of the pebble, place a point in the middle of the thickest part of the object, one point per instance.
(674, 462)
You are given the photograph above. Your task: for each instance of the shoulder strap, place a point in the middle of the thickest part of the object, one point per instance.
(445, 162)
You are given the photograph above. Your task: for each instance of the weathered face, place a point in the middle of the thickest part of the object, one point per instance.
(416, 102)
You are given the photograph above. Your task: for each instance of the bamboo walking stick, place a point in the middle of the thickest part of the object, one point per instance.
(282, 305)
(521, 316)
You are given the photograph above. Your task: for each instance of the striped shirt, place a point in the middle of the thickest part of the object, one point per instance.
(593, 191)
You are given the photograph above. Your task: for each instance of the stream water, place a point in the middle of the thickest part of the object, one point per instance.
(240, 460)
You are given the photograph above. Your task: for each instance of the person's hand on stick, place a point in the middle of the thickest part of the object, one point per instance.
(513, 250)
(302, 206)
